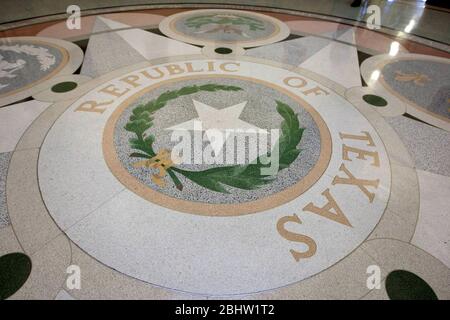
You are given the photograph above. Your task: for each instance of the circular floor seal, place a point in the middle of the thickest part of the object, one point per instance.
(330, 177)
(29, 62)
(222, 27)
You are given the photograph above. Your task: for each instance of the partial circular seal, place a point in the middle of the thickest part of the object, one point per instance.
(27, 63)
(224, 27)
(419, 81)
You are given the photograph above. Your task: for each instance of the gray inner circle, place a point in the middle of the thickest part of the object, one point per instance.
(424, 82)
(227, 31)
(259, 111)
(23, 63)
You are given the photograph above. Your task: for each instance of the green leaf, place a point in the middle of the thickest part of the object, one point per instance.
(288, 157)
(140, 144)
(139, 155)
(249, 177)
(291, 131)
(166, 96)
(215, 178)
(203, 180)
(141, 120)
(246, 177)
(188, 90)
(252, 23)
(138, 126)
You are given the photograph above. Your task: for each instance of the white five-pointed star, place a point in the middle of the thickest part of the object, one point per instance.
(224, 120)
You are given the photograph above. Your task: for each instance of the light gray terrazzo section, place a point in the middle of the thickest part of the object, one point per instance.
(292, 52)
(430, 93)
(26, 62)
(340, 30)
(64, 295)
(216, 32)
(107, 52)
(4, 162)
(260, 111)
(427, 145)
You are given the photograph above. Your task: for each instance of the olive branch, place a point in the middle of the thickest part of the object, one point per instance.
(197, 22)
(247, 177)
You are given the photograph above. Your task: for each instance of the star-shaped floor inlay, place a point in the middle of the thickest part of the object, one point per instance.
(225, 120)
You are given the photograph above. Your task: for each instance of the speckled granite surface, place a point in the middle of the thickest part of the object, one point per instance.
(216, 31)
(427, 145)
(422, 82)
(23, 63)
(113, 56)
(4, 162)
(260, 111)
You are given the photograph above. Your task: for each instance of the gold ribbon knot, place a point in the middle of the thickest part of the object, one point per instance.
(161, 161)
(417, 78)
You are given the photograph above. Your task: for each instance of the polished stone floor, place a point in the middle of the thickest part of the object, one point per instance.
(345, 196)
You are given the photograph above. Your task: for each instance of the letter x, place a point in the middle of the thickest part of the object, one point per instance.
(360, 183)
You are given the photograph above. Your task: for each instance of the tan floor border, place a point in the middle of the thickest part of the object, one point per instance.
(266, 203)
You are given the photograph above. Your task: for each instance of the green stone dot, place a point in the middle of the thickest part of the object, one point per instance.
(223, 50)
(405, 285)
(64, 86)
(14, 271)
(374, 100)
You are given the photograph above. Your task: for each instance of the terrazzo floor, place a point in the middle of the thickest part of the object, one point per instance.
(90, 182)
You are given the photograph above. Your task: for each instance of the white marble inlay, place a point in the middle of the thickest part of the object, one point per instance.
(433, 227)
(204, 254)
(15, 119)
(150, 45)
(337, 61)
